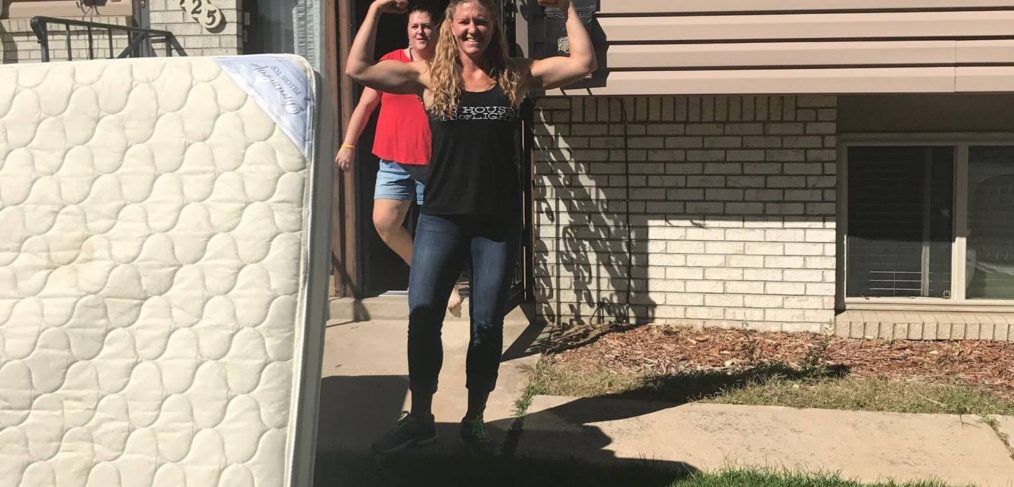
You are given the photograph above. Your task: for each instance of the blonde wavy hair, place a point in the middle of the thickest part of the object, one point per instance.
(445, 67)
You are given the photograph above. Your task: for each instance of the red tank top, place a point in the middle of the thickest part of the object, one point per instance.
(403, 131)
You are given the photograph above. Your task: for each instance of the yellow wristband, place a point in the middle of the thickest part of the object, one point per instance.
(348, 146)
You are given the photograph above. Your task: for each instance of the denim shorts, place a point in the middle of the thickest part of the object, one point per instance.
(400, 182)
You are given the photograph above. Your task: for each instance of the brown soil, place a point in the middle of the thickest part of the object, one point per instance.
(667, 350)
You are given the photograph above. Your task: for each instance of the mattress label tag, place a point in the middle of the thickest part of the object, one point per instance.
(281, 87)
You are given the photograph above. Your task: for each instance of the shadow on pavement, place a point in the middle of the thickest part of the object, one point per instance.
(354, 411)
(418, 468)
(693, 386)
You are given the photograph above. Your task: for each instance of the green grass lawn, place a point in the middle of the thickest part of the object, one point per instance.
(773, 385)
(869, 395)
(420, 469)
(785, 479)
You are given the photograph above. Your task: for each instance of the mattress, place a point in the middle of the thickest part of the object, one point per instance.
(164, 250)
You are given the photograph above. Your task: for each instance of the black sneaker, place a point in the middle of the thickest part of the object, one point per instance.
(475, 439)
(410, 431)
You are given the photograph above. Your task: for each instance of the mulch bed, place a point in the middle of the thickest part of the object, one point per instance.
(668, 350)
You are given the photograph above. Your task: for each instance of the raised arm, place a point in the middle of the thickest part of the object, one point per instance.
(388, 76)
(557, 71)
(368, 102)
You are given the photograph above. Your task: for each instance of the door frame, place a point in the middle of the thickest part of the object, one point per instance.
(142, 19)
(338, 29)
(142, 13)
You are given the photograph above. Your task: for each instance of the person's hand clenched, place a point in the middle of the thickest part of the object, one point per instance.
(392, 6)
(344, 158)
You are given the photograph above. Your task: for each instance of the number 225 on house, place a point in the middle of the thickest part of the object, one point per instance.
(204, 12)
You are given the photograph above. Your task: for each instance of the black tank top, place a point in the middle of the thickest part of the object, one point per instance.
(473, 168)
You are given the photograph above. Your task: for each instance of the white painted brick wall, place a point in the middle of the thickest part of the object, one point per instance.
(167, 15)
(705, 210)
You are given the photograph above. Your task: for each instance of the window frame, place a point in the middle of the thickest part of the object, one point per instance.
(961, 142)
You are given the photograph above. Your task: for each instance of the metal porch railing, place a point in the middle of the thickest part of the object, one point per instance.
(140, 42)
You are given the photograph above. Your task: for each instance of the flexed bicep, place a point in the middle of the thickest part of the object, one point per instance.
(392, 77)
(389, 76)
(557, 71)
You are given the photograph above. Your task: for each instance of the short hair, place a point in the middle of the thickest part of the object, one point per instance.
(427, 7)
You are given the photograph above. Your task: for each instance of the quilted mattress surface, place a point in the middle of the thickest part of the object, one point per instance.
(160, 290)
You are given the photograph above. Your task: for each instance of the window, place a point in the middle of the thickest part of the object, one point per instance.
(900, 228)
(989, 270)
(915, 229)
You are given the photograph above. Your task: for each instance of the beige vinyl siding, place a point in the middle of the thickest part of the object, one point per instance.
(803, 46)
(873, 25)
(708, 6)
(832, 53)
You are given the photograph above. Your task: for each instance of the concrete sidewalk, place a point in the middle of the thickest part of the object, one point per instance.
(365, 387)
(866, 446)
(365, 380)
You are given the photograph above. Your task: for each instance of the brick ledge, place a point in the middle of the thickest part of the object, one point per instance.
(925, 325)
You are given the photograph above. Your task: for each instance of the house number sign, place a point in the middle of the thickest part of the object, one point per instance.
(204, 13)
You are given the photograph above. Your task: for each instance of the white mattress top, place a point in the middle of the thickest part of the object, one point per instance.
(152, 266)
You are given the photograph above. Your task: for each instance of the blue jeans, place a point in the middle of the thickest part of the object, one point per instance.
(443, 246)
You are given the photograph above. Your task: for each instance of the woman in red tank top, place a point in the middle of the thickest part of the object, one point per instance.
(402, 142)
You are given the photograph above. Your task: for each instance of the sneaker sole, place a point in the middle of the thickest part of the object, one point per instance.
(407, 444)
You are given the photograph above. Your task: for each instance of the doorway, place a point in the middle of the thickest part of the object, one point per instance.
(380, 270)
(269, 26)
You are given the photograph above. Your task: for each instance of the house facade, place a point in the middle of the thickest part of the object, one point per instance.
(783, 165)
(18, 44)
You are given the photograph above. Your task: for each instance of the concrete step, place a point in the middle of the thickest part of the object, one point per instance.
(349, 310)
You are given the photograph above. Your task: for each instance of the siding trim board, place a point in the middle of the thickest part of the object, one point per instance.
(745, 55)
(662, 47)
(697, 7)
(811, 54)
(800, 81)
